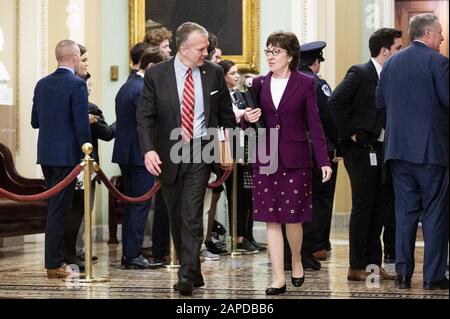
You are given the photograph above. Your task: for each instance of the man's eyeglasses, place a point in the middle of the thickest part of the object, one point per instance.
(274, 52)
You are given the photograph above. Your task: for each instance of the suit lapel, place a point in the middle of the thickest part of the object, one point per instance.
(205, 75)
(291, 88)
(171, 84)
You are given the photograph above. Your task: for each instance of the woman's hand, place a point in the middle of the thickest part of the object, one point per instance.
(326, 173)
(252, 115)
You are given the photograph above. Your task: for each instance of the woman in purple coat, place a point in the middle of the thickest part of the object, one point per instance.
(288, 105)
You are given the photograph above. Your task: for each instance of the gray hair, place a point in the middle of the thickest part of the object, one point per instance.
(185, 30)
(420, 23)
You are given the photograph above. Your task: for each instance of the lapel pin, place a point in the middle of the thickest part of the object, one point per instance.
(204, 72)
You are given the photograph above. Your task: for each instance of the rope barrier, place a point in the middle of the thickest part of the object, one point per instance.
(48, 193)
(221, 180)
(147, 196)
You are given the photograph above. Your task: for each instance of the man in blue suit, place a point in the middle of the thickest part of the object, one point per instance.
(412, 97)
(127, 153)
(60, 112)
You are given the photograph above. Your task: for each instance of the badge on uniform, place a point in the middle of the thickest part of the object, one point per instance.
(373, 158)
(326, 90)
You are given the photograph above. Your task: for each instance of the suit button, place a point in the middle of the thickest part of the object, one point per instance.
(277, 127)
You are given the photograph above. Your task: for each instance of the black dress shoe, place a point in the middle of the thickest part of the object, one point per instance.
(196, 284)
(276, 291)
(76, 263)
(297, 282)
(308, 262)
(140, 262)
(257, 245)
(82, 257)
(439, 284)
(184, 286)
(403, 282)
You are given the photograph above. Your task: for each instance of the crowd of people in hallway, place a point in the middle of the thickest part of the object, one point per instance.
(387, 121)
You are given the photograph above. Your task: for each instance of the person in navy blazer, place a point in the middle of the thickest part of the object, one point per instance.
(288, 102)
(127, 153)
(60, 112)
(412, 97)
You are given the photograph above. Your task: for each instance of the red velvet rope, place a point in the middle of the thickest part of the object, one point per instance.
(44, 195)
(221, 180)
(147, 196)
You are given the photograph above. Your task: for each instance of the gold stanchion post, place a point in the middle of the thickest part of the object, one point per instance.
(88, 170)
(173, 262)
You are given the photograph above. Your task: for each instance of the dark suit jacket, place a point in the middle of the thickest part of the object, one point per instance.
(100, 130)
(60, 112)
(413, 95)
(126, 146)
(353, 108)
(159, 110)
(297, 114)
(323, 93)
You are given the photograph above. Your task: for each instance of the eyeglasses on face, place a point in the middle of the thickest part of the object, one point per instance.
(274, 52)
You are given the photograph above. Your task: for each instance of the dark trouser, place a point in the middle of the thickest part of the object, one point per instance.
(136, 182)
(316, 234)
(73, 223)
(369, 200)
(389, 222)
(184, 201)
(244, 205)
(160, 231)
(421, 191)
(58, 207)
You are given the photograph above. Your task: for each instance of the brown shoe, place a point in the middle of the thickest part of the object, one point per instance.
(62, 272)
(320, 255)
(384, 275)
(356, 274)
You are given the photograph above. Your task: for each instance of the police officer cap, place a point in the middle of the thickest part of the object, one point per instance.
(313, 50)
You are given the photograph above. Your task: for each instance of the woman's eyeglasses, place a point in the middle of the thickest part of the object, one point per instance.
(274, 52)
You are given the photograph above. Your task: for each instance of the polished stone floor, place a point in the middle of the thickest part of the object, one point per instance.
(22, 275)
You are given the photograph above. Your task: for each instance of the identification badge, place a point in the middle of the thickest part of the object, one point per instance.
(241, 139)
(373, 159)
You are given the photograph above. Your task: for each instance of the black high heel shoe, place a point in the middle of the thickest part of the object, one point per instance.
(276, 291)
(297, 282)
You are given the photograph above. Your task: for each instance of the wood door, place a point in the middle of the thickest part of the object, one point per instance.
(405, 9)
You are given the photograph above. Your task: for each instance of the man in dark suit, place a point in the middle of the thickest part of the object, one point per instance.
(412, 97)
(127, 153)
(352, 106)
(60, 112)
(316, 234)
(190, 93)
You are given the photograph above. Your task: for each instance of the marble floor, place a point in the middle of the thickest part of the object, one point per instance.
(22, 275)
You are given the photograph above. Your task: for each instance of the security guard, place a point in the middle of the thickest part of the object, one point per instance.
(316, 234)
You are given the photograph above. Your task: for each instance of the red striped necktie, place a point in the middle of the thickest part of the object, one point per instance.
(187, 110)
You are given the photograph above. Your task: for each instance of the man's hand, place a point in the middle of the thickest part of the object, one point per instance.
(152, 163)
(326, 173)
(336, 158)
(92, 119)
(252, 115)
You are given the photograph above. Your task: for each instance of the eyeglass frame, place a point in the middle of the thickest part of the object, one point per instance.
(266, 52)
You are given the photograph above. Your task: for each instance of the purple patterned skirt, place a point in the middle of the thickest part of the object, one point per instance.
(284, 197)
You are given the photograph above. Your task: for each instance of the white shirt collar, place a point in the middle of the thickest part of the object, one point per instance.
(378, 67)
(67, 68)
(140, 74)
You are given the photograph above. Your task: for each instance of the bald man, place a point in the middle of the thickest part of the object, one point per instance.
(60, 112)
